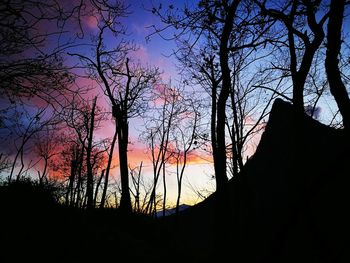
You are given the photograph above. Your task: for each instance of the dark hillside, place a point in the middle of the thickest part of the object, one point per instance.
(34, 228)
(289, 204)
(292, 199)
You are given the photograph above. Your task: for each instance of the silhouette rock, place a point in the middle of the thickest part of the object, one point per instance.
(288, 204)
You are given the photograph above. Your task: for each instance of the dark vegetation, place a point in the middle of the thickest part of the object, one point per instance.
(286, 203)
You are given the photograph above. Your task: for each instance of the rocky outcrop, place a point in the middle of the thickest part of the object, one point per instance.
(289, 204)
(291, 200)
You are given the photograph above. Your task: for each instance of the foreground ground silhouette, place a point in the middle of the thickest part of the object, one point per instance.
(289, 204)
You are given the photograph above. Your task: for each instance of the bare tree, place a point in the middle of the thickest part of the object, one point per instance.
(334, 40)
(171, 136)
(45, 146)
(90, 177)
(31, 62)
(108, 168)
(74, 164)
(185, 139)
(209, 37)
(158, 135)
(138, 183)
(22, 125)
(34, 37)
(85, 154)
(303, 42)
(250, 103)
(125, 84)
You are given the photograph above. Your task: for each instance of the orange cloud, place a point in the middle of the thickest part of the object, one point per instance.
(199, 158)
(137, 155)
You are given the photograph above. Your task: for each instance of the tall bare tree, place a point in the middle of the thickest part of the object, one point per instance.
(31, 59)
(334, 40)
(125, 84)
(84, 154)
(90, 176)
(46, 148)
(185, 137)
(305, 34)
(158, 136)
(210, 34)
(22, 125)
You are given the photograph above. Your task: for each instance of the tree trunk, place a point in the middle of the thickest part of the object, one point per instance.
(77, 191)
(213, 129)
(236, 154)
(336, 84)
(164, 190)
(90, 178)
(179, 181)
(98, 186)
(123, 129)
(299, 76)
(69, 192)
(220, 173)
(110, 157)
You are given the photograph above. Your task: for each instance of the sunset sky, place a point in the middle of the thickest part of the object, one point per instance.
(210, 129)
(155, 51)
(152, 50)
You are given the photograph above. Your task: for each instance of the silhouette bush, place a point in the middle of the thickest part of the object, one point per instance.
(28, 193)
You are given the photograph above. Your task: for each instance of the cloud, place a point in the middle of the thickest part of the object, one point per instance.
(199, 158)
(137, 154)
(90, 21)
(141, 54)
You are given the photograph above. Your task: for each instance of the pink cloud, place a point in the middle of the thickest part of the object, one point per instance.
(141, 55)
(90, 21)
(167, 68)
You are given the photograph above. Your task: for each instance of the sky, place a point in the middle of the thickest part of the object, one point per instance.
(153, 51)
(156, 51)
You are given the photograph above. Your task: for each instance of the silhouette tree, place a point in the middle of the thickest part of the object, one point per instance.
(125, 84)
(158, 137)
(75, 162)
(22, 125)
(90, 177)
(140, 189)
(185, 137)
(34, 37)
(225, 91)
(83, 154)
(334, 40)
(305, 35)
(46, 147)
(108, 168)
(31, 62)
(136, 183)
(171, 135)
(209, 37)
